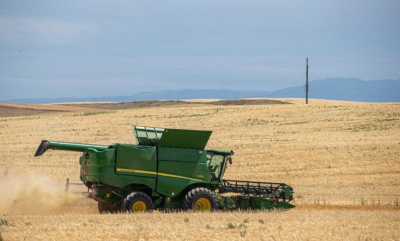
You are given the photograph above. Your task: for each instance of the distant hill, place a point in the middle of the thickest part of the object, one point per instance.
(356, 90)
(347, 89)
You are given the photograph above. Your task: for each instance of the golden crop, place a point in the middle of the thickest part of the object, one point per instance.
(341, 158)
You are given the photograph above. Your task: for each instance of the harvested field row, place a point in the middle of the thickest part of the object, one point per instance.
(6, 111)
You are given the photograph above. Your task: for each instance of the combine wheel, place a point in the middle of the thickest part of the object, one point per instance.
(137, 202)
(108, 207)
(200, 200)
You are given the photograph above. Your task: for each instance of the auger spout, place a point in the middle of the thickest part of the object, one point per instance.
(66, 146)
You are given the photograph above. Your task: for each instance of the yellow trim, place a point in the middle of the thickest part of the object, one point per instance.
(135, 171)
(155, 173)
(176, 176)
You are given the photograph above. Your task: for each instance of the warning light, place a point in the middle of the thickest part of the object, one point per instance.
(84, 171)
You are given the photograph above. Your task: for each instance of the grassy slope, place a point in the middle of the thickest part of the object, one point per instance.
(332, 153)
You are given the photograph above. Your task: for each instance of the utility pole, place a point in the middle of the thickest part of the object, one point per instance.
(307, 82)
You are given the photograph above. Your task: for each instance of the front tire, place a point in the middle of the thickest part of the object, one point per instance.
(137, 202)
(199, 200)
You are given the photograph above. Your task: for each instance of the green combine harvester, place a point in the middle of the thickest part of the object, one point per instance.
(168, 169)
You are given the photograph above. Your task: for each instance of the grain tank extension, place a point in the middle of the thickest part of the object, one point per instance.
(167, 169)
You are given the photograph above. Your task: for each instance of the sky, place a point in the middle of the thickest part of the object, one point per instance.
(94, 48)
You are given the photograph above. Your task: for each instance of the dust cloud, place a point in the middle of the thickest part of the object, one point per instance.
(31, 193)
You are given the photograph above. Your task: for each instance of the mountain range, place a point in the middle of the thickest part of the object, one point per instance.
(346, 89)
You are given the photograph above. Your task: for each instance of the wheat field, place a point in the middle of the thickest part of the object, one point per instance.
(341, 158)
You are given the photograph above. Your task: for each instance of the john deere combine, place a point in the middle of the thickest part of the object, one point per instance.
(168, 169)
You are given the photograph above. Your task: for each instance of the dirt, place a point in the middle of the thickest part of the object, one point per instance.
(31, 193)
(14, 110)
(250, 102)
(130, 105)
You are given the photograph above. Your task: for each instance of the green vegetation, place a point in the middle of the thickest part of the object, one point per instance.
(93, 113)
(3, 222)
(295, 123)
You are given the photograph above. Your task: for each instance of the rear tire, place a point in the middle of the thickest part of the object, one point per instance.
(199, 199)
(137, 202)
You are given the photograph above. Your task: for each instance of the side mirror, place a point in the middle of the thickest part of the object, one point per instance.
(230, 160)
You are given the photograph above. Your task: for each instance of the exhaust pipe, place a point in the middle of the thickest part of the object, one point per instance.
(42, 148)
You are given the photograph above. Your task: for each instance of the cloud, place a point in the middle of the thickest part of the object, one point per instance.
(31, 30)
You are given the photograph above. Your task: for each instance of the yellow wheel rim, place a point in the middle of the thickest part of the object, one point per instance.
(138, 207)
(203, 204)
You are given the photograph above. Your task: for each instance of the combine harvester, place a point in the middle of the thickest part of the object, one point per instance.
(168, 169)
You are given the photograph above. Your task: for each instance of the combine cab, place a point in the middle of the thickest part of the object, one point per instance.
(168, 169)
